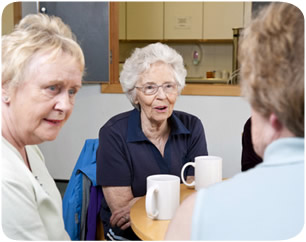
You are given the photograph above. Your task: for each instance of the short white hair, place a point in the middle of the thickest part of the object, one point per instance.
(142, 59)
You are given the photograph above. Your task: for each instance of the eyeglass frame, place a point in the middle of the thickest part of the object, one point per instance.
(158, 86)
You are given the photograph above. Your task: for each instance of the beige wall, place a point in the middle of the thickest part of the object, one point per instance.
(8, 19)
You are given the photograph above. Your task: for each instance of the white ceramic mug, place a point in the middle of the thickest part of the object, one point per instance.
(208, 171)
(225, 75)
(163, 196)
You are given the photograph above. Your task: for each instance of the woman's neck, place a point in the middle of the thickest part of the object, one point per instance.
(156, 129)
(7, 133)
(157, 133)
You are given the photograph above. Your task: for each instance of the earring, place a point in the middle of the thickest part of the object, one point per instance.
(5, 99)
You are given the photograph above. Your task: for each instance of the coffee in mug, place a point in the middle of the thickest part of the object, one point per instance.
(163, 196)
(208, 171)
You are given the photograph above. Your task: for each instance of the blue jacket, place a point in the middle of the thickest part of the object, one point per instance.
(72, 201)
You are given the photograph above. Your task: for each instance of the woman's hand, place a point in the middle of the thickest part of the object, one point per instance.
(121, 218)
(190, 179)
(120, 200)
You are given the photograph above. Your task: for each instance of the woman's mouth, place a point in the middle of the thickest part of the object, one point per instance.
(161, 108)
(53, 121)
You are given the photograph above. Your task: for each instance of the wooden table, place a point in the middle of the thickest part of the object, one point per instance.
(149, 229)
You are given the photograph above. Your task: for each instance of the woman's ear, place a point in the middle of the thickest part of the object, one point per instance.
(136, 102)
(5, 95)
(275, 123)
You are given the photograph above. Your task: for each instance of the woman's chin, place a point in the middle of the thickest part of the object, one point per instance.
(49, 137)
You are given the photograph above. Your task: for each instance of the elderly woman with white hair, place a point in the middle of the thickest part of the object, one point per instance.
(151, 139)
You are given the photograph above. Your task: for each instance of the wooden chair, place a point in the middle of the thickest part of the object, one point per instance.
(100, 230)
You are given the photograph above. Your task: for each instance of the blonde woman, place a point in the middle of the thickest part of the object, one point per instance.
(42, 69)
(266, 202)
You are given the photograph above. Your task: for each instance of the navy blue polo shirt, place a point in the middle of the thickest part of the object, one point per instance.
(125, 156)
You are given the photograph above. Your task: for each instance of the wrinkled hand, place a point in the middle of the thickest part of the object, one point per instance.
(121, 218)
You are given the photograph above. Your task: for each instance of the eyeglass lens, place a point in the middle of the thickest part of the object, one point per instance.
(168, 87)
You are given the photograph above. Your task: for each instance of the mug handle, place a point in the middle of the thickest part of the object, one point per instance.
(182, 174)
(150, 205)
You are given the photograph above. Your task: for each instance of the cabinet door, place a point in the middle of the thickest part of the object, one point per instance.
(144, 20)
(220, 17)
(183, 20)
(122, 20)
(89, 22)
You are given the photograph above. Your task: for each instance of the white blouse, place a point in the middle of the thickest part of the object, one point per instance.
(31, 202)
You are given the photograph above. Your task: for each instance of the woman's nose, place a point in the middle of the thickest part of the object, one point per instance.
(63, 102)
(160, 92)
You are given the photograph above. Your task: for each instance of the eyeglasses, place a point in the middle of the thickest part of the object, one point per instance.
(151, 88)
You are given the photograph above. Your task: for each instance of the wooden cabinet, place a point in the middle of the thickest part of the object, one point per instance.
(144, 20)
(122, 20)
(191, 88)
(8, 19)
(183, 20)
(220, 17)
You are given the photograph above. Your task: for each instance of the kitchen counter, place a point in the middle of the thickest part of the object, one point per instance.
(206, 80)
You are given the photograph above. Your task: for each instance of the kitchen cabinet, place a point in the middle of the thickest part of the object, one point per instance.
(144, 20)
(180, 20)
(8, 19)
(183, 20)
(144, 10)
(220, 17)
(122, 20)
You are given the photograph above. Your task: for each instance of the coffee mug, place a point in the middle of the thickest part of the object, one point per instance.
(208, 171)
(163, 196)
(225, 74)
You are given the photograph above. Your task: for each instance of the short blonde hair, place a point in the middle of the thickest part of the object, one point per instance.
(36, 34)
(272, 64)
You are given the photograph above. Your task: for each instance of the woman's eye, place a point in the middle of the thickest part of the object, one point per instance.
(170, 85)
(149, 87)
(53, 88)
(72, 91)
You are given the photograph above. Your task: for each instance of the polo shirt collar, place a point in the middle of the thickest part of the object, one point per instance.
(135, 133)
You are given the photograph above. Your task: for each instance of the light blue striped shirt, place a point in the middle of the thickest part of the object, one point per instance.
(264, 203)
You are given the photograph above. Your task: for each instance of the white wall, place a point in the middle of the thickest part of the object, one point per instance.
(223, 119)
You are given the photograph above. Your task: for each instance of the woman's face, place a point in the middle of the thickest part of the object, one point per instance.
(158, 107)
(40, 106)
